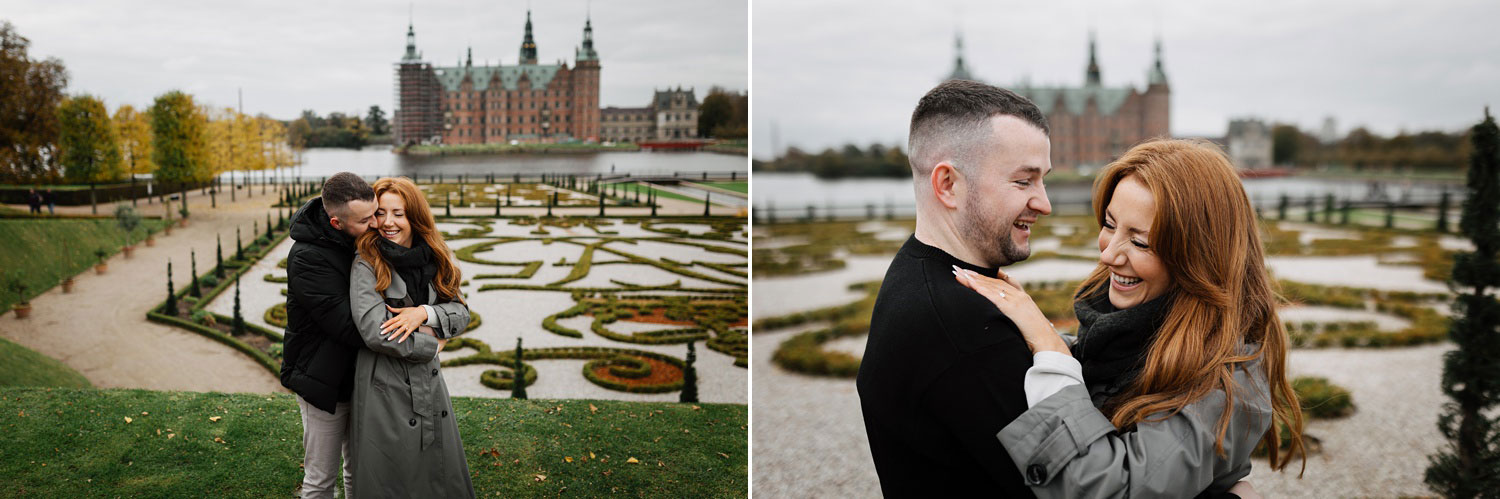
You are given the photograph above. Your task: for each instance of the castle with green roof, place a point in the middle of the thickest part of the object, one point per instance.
(527, 102)
(1093, 124)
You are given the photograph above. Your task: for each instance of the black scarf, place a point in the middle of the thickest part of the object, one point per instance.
(1112, 343)
(415, 265)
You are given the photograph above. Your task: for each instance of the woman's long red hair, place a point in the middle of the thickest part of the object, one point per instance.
(419, 217)
(1206, 235)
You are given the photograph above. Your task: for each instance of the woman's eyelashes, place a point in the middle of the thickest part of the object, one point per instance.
(1108, 224)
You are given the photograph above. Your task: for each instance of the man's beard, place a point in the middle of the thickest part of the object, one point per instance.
(993, 242)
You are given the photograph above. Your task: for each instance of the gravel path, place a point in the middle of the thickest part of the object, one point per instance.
(1381, 450)
(100, 329)
(809, 438)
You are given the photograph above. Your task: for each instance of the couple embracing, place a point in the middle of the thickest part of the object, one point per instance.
(372, 297)
(1178, 369)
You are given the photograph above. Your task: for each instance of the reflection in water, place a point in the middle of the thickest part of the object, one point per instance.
(380, 161)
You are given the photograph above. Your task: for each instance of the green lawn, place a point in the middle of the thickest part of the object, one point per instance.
(44, 251)
(21, 366)
(632, 187)
(730, 186)
(77, 442)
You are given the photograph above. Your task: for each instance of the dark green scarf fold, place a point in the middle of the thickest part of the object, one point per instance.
(1112, 343)
(415, 265)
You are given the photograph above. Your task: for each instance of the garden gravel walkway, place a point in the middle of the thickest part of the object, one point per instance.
(100, 329)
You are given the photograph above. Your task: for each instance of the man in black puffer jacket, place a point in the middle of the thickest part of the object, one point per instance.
(321, 339)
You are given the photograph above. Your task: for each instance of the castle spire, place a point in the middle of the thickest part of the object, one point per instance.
(960, 71)
(1093, 71)
(469, 61)
(411, 43)
(1157, 75)
(528, 45)
(587, 53)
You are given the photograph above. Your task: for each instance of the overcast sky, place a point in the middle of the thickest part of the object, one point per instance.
(829, 72)
(338, 55)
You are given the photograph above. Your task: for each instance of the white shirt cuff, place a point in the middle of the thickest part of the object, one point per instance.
(431, 316)
(1050, 372)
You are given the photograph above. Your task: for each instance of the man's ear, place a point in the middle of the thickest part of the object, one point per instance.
(944, 182)
(335, 222)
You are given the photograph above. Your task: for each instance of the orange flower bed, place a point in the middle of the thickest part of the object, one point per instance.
(661, 373)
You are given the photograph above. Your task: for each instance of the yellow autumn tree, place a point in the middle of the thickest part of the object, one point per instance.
(134, 128)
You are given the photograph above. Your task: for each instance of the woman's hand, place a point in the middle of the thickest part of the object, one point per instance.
(1013, 301)
(406, 320)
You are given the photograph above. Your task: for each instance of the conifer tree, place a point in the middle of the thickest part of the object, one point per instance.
(518, 381)
(239, 319)
(239, 246)
(171, 307)
(1469, 466)
(219, 257)
(690, 377)
(197, 293)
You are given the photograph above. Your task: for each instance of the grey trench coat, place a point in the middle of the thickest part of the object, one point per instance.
(403, 436)
(1065, 447)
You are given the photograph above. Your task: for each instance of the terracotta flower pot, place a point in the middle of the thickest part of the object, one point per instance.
(23, 310)
(151, 241)
(167, 231)
(101, 268)
(129, 250)
(67, 285)
(182, 222)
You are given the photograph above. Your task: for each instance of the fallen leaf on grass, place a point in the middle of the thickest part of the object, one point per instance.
(540, 478)
(144, 413)
(23, 413)
(632, 461)
(567, 459)
(170, 435)
(220, 440)
(607, 472)
(726, 456)
(215, 419)
(567, 425)
(696, 408)
(593, 410)
(128, 420)
(591, 455)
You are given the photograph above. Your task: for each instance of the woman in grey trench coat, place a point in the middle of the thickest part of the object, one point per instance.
(403, 435)
(1179, 367)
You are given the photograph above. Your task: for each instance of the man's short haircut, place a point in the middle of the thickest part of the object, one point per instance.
(954, 118)
(342, 188)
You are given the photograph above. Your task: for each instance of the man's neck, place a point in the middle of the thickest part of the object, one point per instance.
(944, 238)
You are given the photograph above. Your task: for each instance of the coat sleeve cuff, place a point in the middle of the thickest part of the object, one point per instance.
(1046, 437)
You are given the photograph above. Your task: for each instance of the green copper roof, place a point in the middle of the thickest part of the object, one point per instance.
(540, 75)
(1074, 100)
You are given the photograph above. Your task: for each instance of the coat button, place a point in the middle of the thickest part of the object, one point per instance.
(434, 372)
(445, 414)
(1035, 474)
(412, 422)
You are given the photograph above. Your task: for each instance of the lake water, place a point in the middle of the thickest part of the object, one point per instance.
(380, 161)
(791, 193)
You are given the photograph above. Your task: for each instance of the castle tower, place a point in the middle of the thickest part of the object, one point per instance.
(960, 71)
(586, 87)
(417, 117)
(528, 45)
(1093, 70)
(1157, 117)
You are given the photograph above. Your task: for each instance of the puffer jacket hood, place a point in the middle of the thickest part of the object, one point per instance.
(310, 225)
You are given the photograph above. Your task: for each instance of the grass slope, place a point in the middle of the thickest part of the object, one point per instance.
(21, 366)
(78, 443)
(45, 251)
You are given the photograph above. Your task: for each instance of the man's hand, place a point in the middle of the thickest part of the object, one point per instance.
(406, 320)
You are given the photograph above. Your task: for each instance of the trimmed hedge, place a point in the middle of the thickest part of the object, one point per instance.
(1321, 399)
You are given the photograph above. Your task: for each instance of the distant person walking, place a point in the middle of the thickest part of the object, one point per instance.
(34, 202)
(51, 200)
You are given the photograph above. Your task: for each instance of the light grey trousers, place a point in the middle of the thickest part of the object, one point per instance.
(325, 440)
